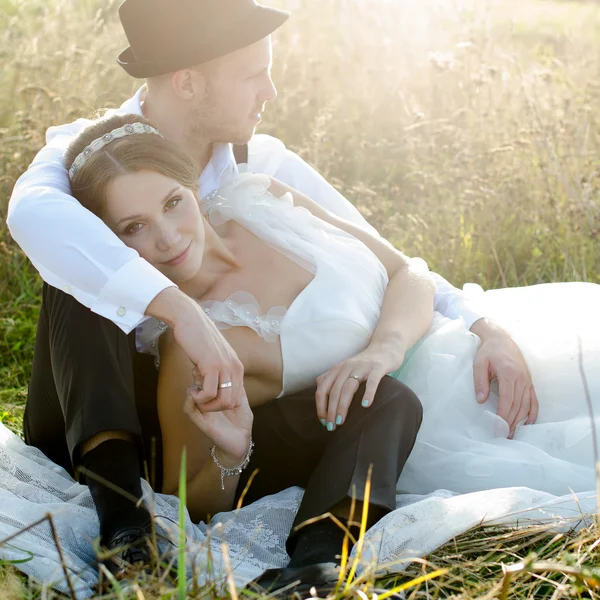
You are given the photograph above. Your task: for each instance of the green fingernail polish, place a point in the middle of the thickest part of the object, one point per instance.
(330, 426)
(324, 422)
(365, 403)
(338, 420)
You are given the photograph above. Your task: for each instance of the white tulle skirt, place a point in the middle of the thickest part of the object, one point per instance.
(462, 445)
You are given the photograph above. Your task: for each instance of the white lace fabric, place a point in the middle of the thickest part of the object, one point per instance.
(242, 309)
(31, 487)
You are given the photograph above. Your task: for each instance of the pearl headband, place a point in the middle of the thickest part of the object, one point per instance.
(115, 134)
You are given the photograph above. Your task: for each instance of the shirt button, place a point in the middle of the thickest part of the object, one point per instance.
(121, 311)
(67, 289)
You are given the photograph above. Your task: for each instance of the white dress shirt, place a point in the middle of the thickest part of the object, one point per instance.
(75, 251)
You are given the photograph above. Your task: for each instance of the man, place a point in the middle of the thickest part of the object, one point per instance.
(207, 70)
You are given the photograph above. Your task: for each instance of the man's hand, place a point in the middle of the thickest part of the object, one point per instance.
(214, 360)
(499, 358)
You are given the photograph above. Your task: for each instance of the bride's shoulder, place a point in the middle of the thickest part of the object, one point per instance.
(244, 197)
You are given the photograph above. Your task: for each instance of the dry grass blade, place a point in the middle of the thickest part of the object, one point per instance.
(229, 572)
(363, 529)
(413, 583)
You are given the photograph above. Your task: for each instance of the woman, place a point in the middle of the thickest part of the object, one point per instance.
(144, 189)
(299, 299)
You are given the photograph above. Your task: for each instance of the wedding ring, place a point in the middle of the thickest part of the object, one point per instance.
(355, 377)
(226, 384)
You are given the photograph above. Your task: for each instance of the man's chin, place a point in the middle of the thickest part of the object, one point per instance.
(241, 137)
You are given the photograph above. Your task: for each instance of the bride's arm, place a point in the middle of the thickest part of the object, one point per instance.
(183, 426)
(406, 316)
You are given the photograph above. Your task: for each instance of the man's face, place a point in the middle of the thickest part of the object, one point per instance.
(237, 88)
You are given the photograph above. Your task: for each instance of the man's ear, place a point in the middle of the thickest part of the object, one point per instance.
(187, 84)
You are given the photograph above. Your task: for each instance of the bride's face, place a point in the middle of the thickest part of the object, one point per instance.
(159, 218)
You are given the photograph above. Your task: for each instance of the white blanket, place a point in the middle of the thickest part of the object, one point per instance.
(31, 487)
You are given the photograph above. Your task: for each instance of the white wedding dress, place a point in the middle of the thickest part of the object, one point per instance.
(462, 472)
(462, 445)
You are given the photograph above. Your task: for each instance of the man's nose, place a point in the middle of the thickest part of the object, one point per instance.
(269, 91)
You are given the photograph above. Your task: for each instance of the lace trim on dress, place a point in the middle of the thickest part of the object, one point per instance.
(241, 309)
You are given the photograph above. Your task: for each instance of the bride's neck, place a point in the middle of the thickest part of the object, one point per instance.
(218, 260)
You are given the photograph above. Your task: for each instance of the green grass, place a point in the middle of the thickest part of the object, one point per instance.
(467, 131)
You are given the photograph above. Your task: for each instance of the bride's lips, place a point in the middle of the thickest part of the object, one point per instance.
(180, 257)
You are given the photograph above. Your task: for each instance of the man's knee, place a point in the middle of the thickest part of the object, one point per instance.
(104, 436)
(399, 401)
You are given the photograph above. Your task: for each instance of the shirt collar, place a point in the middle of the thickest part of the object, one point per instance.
(221, 165)
(133, 106)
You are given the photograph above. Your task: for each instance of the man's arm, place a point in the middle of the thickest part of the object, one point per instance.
(73, 249)
(498, 356)
(268, 155)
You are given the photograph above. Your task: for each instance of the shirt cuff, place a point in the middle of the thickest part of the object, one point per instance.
(126, 296)
(470, 313)
(472, 306)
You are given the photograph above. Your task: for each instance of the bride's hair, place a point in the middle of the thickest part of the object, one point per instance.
(128, 154)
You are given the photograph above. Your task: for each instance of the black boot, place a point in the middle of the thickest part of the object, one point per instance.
(315, 563)
(125, 525)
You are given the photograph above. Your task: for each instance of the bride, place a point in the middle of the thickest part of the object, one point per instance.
(300, 299)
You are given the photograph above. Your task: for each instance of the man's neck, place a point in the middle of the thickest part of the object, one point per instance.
(175, 130)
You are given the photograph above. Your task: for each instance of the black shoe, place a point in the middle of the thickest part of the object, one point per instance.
(289, 581)
(294, 582)
(127, 549)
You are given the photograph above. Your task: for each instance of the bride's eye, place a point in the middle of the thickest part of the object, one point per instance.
(173, 202)
(133, 228)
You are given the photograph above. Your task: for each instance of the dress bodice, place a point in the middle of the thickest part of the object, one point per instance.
(335, 315)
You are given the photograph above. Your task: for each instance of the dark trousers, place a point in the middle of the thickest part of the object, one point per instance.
(293, 448)
(87, 378)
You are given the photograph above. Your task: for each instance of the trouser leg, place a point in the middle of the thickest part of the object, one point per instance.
(82, 379)
(43, 421)
(293, 448)
(82, 394)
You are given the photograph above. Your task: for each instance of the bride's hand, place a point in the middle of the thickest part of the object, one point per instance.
(229, 430)
(336, 388)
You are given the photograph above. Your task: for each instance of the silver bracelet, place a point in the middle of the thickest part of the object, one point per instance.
(225, 472)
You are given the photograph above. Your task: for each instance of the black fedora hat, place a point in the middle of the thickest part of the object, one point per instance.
(168, 35)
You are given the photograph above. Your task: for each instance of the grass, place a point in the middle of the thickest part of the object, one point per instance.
(467, 131)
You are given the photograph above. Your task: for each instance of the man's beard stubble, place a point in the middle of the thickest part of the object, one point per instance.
(207, 126)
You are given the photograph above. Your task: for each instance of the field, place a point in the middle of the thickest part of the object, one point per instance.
(466, 131)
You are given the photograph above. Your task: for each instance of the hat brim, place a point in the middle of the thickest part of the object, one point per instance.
(262, 22)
